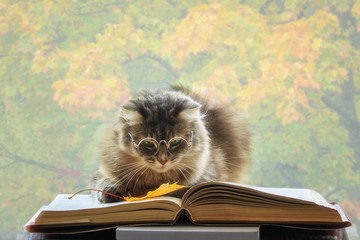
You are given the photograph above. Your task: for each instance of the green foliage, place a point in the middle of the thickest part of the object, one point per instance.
(65, 66)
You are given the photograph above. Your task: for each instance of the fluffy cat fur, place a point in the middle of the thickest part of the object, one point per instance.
(220, 151)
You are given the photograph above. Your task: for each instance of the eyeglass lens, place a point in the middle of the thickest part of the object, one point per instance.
(149, 146)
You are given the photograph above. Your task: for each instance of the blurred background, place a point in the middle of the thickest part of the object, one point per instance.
(65, 67)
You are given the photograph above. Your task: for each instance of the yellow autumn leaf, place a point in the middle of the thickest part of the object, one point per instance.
(160, 191)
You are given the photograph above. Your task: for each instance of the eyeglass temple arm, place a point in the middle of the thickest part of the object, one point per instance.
(191, 138)
(132, 140)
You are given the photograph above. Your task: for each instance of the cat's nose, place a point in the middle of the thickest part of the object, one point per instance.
(163, 158)
(162, 155)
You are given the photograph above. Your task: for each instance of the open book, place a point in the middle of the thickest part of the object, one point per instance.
(206, 203)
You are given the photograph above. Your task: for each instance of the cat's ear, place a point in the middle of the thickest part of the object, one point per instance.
(128, 114)
(191, 111)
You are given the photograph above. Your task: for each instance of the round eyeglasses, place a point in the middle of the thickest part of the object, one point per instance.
(175, 146)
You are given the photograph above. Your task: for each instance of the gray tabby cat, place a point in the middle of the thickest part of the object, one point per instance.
(172, 136)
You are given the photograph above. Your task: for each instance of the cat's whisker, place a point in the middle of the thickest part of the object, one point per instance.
(128, 173)
(234, 164)
(183, 173)
(141, 173)
(147, 173)
(125, 170)
(125, 174)
(188, 167)
(131, 178)
(187, 171)
(220, 145)
(237, 165)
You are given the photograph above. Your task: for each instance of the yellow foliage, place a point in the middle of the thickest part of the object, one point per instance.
(160, 191)
(193, 34)
(222, 82)
(95, 95)
(93, 83)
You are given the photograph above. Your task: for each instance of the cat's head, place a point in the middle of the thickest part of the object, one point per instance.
(165, 131)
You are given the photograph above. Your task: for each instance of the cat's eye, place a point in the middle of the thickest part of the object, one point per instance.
(175, 142)
(149, 146)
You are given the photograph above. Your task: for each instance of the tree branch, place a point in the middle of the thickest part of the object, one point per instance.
(18, 159)
(343, 112)
(287, 173)
(334, 191)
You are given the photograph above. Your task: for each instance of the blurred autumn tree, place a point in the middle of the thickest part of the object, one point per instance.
(293, 66)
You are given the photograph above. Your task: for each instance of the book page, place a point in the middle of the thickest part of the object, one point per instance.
(226, 202)
(88, 201)
(291, 195)
(297, 193)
